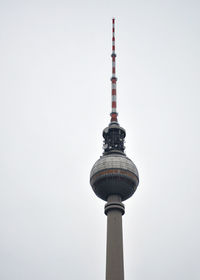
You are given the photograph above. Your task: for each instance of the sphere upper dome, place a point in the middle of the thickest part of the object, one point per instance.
(114, 174)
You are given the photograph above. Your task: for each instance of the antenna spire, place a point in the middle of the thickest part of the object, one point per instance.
(113, 78)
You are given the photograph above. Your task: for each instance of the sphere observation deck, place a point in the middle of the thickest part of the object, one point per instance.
(114, 173)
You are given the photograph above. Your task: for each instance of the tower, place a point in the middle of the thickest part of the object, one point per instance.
(114, 178)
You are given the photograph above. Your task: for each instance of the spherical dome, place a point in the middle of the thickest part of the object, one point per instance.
(114, 174)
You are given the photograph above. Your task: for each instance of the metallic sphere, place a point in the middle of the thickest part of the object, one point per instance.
(114, 174)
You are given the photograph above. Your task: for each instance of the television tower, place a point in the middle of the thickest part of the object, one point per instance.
(114, 178)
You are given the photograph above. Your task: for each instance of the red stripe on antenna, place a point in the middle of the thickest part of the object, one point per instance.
(114, 105)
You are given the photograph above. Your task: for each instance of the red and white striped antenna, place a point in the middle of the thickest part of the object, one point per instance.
(113, 78)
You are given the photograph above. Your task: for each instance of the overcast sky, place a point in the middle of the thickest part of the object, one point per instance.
(55, 96)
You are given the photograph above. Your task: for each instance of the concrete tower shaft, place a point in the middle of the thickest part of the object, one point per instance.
(114, 210)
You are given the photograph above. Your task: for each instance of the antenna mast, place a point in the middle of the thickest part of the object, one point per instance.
(113, 78)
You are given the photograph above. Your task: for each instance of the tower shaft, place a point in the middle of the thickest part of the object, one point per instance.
(114, 210)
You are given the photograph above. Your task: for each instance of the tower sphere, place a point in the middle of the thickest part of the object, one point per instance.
(114, 174)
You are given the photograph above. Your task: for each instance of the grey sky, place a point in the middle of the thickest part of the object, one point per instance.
(55, 69)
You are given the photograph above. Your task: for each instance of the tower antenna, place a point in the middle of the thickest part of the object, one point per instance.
(114, 113)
